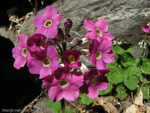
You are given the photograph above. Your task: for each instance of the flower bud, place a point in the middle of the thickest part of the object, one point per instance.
(68, 25)
(77, 41)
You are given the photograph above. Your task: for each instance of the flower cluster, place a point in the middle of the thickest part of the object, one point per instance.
(60, 67)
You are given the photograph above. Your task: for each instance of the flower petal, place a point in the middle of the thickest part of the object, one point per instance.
(92, 59)
(89, 25)
(35, 66)
(55, 93)
(108, 35)
(52, 31)
(49, 12)
(76, 79)
(100, 65)
(93, 46)
(53, 50)
(93, 92)
(17, 51)
(38, 20)
(91, 35)
(102, 24)
(102, 86)
(56, 19)
(70, 93)
(41, 30)
(108, 58)
(19, 62)
(28, 58)
(45, 71)
(105, 45)
(54, 65)
(23, 40)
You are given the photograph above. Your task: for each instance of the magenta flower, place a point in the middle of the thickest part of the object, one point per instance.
(146, 28)
(71, 58)
(98, 30)
(44, 65)
(21, 53)
(100, 53)
(37, 42)
(47, 23)
(37, 45)
(94, 80)
(63, 85)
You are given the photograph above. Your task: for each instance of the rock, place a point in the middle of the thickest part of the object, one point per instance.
(125, 18)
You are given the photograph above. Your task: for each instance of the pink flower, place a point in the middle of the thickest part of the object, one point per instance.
(100, 53)
(21, 52)
(71, 58)
(98, 30)
(47, 23)
(44, 65)
(63, 85)
(146, 28)
(37, 45)
(94, 80)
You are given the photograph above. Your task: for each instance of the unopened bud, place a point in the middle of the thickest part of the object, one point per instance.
(68, 25)
(77, 41)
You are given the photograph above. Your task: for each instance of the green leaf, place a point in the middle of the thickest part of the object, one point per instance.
(137, 61)
(128, 47)
(85, 100)
(55, 106)
(146, 92)
(115, 76)
(121, 92)
(131, 81)
(120, 49)
(106, 91)
(68, 110)
(145, 68)
(145, 78)
(131, 70)
(127, 59)
(111, 65)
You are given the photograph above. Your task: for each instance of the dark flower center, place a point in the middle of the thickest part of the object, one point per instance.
(99, 32)
(24, 52)
(48, 23)
(93, 81)
(63, 83)
(98, 54)
(46, 62)
(71, 58)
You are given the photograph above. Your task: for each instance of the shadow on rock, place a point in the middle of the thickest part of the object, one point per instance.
(17, 87)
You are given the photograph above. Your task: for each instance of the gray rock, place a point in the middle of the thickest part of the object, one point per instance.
(125, 18)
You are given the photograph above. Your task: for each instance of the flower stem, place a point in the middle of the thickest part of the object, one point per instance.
(60, 48)
(143, 44)
(76, 106)
(63, 105)
(137, 51)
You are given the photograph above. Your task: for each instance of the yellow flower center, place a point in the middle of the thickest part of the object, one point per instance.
(98, 54)
(93, 81)
(99, 32)
(48, 23)
(24, 52)
(46, 62)
(63, 83)
(71, 58)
